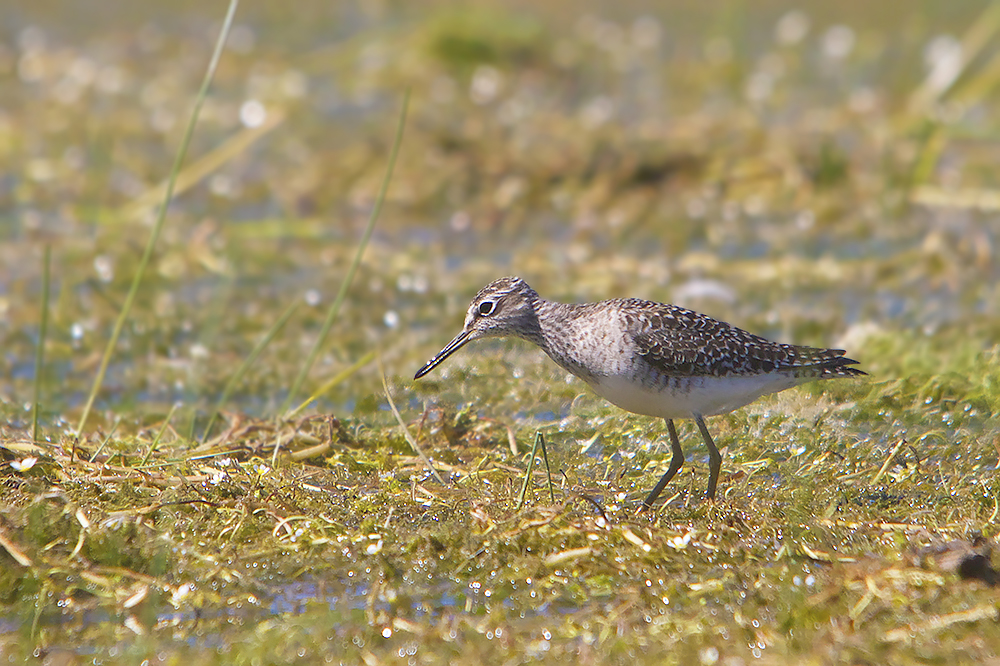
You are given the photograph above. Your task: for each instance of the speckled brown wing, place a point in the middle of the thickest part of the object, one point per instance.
(680, 342)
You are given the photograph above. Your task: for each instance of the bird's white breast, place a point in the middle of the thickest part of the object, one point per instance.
(681, 398)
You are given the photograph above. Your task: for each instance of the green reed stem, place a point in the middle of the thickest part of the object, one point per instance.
(247, 362)
(156, 440)
(40, 351)
(402, 424)
(107, 439)
(345, 285)
(527, 473)
(161, 216)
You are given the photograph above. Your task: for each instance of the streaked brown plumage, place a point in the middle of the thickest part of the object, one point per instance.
(649, 358)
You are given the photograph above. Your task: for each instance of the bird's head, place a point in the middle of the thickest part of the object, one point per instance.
(503, 307)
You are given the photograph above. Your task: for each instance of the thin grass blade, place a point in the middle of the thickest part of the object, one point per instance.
(336, 379)
(527, 474)
(346, 283)
(159, 434)
(40, 351)
(160, 218)
(540, 437)
(205, 165)
(245, 365)
(406, 431)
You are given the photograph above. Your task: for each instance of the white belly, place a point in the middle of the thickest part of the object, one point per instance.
(685, 397)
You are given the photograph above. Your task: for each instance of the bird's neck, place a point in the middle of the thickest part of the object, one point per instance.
(555, 333)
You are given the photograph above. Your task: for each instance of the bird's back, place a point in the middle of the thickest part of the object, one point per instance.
(678, 341)
(663, 360)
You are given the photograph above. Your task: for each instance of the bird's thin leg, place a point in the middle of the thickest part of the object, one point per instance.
(714, 457)
(675, 464)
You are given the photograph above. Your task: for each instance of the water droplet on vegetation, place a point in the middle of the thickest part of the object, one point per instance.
(104, 268)
(597, 111)
(252, 113)
(838, 42)
(943, 59)
(792, 27)
(486, 84)
(460, 221)
(224, 185)
(709, 656)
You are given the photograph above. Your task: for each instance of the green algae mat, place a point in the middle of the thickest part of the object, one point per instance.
(258, 480)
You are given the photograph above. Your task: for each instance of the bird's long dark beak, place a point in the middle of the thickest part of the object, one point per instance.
(449, 349)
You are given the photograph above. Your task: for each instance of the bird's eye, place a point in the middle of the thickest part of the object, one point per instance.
(486, 308)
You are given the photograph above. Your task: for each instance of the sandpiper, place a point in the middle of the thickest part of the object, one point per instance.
(649, 358)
